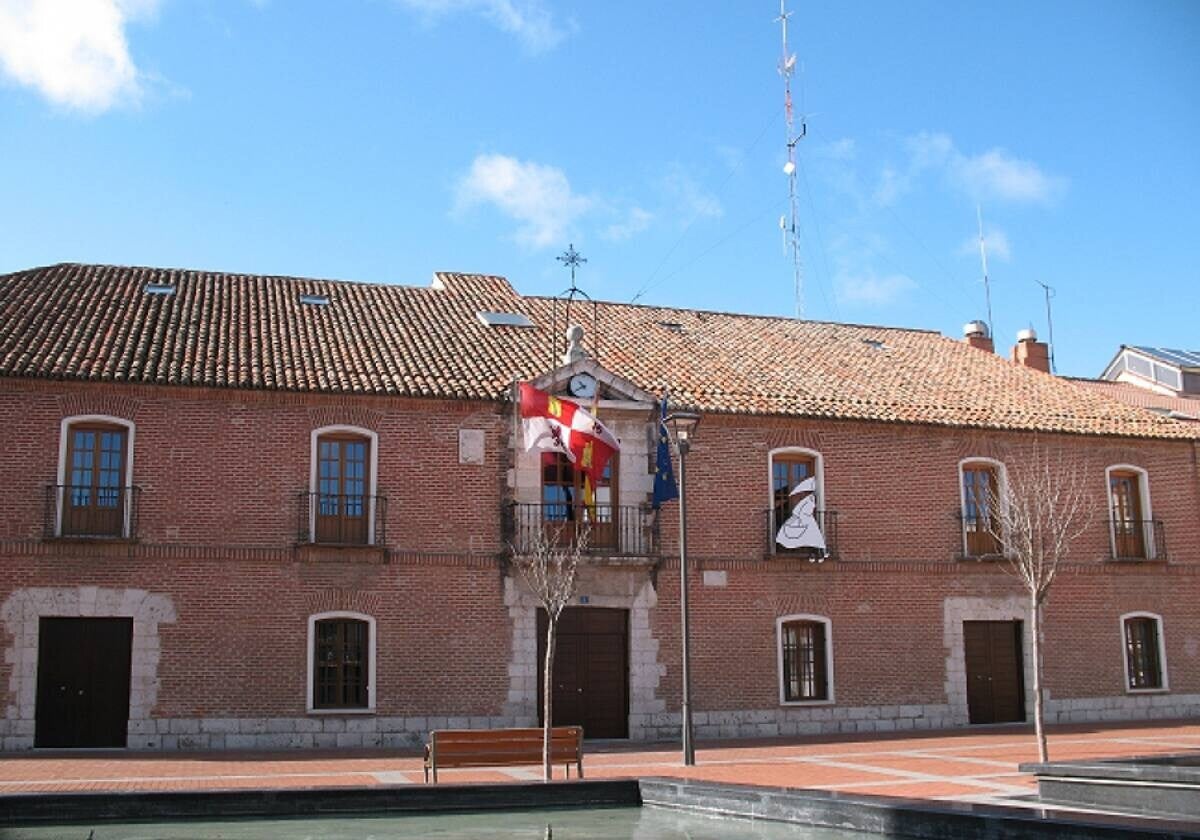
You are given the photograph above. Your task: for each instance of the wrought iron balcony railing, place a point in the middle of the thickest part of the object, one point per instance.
(975, 539)
(72, 510)
(827, 523)
(1137, 539)
(629, 530)
(342, 519)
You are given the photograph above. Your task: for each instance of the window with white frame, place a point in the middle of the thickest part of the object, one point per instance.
(981, 484)
(797, 475)
(1130, 519)
(1145, 653)
(342, 502)
(94, 496)
(805, 659)
(341, 662)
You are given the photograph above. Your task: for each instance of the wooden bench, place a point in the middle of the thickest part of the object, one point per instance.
(449, 748)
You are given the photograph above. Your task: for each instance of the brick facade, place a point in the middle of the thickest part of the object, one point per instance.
(221, 593)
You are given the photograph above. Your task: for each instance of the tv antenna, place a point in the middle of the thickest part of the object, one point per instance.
(1049, 291)
(987, 288)
(790, 225)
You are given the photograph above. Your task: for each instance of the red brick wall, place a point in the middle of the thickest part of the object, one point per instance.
(221, 471)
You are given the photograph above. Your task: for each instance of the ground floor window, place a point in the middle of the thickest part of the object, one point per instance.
(804, 652)
(1144, 667)
(342, 661)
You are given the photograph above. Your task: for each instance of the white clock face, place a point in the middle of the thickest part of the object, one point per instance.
(583, 385)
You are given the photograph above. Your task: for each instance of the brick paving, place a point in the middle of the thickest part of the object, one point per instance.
(971, 765)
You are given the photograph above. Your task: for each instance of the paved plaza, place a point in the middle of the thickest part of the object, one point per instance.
(978, 765)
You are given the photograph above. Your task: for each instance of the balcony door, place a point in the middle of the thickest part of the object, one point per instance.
(787, 471)
(565, 505)
(1128, 527)
(343, 502)
(93, 500)
(981, 494)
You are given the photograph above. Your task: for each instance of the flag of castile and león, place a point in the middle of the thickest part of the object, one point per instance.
(555, 425)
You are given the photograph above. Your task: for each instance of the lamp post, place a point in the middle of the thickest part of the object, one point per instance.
(683, 427)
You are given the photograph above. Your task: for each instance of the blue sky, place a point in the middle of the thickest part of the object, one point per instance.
(382, 140)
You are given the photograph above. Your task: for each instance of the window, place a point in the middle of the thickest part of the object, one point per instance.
(981, 484)
(1145, 666)
(94, 496)
(342, 500)
(1129, 503)
(341, 662)
(564, 501)
(789, 468)
(805, 659)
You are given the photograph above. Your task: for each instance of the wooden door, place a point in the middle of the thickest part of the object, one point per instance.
(93, 502)
(343, 476)
(1127, 514)
(980, 522)
(591, 670)
(83, 682)
(995, 675)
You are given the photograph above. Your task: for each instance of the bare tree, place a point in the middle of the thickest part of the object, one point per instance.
(1035, 516)
(548, 564)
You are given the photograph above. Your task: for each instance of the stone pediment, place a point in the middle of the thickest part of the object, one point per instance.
(616, 391)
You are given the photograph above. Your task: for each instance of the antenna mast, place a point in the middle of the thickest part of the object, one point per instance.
(1049, 290)
(987, 288)
(790, 224)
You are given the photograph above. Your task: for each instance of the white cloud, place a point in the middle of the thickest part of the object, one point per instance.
(867, 287)
(689, 198)
(994, 174)
(997, 245)
(529, 20)
(636, 221)
(843, 149)
(537, 196)
(77, 57)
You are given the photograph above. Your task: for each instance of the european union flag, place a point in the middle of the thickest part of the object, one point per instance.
(665, 488)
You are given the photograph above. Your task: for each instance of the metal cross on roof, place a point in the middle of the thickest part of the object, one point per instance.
(571, 258)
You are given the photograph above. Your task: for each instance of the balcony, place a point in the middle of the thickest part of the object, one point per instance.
(1137, 539)
(88, 512)
(614, 530)
(975, 540)
(342, 519)
(827, 522)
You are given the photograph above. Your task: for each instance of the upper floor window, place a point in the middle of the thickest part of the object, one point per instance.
(1145, 666)
(805, 659)
(93, 497)
(797, 481)
(343, 506)
(568, 499)
(981, 500)
(1129, 513)
(342, 660)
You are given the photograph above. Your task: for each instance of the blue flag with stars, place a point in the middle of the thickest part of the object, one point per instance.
(665, 488)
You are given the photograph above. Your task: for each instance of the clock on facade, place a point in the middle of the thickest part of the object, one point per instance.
(583, 385)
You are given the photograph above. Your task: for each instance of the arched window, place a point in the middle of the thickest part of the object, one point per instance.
(796, 474)
(94, 494)
(567, 500)
(1130, 519)
(1145, 653)
(342, 500)
(341, 662)
(805, 659)
(981, 482)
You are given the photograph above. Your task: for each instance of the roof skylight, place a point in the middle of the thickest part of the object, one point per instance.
(163, 289)
(504, 319)
(314, 299)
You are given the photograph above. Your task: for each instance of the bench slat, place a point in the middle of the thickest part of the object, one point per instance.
(453, 748)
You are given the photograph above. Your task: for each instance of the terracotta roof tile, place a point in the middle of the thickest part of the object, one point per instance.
(92, 322)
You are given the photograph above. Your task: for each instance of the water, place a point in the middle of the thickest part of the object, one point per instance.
(581, 824)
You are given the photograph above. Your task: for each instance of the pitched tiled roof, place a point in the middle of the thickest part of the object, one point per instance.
(96, 323)
(1184, 408)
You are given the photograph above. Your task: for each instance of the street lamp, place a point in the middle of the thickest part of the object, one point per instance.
(683, 428)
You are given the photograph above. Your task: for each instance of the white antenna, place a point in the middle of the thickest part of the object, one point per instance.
(791, 225)
(987, 288)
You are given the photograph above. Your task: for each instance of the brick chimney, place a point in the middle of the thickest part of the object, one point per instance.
(976, 334)
(1030, 352)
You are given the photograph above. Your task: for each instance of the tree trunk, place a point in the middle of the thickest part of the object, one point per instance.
(548, 700)
(1039, 713)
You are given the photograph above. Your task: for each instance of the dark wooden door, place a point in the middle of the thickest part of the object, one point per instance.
(1127, 515)
(591, 670)
(995, 676)
(83, 682)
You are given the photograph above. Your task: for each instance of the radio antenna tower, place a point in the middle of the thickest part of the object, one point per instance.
(790, 224)
(987, 288)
